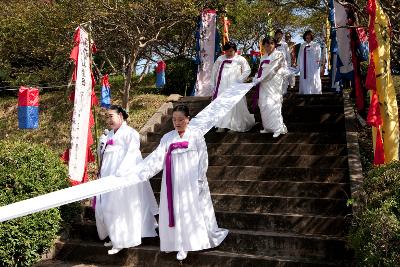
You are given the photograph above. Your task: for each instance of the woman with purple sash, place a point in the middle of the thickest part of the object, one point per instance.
(125, 215)
(270, 77)
(227, 69)
(187, 219)
(309, 64)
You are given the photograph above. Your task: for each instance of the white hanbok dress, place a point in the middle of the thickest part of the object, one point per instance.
(309, 61)
(195, 227)
(225, 72)
(125, 215)
(283, 47)
(274, 72)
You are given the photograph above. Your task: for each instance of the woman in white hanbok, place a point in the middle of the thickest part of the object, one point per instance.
(187, 220)
(227, 69)
(309, 63)
(271, 74)
(125, 215)
(283, 47)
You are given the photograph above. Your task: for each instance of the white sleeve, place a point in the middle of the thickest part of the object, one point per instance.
(132, 157)
(214, 72)
(203, 158)
(246, 70)
(318, 54)
(277, 64)
(288, 58)
(153, 163)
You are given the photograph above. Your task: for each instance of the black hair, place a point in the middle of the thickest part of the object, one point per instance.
(308, 32)
(288, 33)
(269, 40)
(119, 109)
(278, 31)
(182, 108)
(230, 45)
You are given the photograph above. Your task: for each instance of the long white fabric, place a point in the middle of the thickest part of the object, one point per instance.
(81, 112)
(270, 98)
(238, 118)
(195, 224)
(311, 84)
(125, 215)
(203, 122)
(284, 48)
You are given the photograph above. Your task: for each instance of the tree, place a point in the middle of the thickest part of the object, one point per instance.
(130, 29)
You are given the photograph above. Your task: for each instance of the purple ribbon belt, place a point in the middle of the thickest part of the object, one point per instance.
(168, 179)
(219, 77)
(256, 93)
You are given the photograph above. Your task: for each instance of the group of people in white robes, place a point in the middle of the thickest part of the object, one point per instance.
(273, 73)
(186, 215)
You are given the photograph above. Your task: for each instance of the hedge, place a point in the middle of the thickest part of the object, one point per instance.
(28, 170)
(375, 233)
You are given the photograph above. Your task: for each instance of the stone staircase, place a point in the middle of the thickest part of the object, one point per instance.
(283, 200)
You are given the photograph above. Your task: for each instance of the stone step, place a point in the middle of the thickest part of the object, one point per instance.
(94, 253)
(282, 161)
(316, 247)
(293, 127)
(255, 137)
(266, 149)
(255, 221)
(279, 161)
(276, 204)
(294, 121)
(294, 174)
(273, 188)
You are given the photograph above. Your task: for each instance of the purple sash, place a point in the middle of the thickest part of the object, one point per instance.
(168, 179)
(219, 77)
(256, 93)
(305, 61)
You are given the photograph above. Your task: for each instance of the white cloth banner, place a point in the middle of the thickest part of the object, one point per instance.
(203, 122)
(343, 38)
(81, 113)
(204, 87)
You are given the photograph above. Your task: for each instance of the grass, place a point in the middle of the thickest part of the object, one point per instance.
(56, 112)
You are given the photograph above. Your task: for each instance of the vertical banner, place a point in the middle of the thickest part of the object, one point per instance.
(226, 23)
(28, 108)
(81, 113)
(383, 112)
(343, 40)
(206, 48)
(105, 92)
(160, 74)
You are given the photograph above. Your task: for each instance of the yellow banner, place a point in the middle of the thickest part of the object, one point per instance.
(385, 88)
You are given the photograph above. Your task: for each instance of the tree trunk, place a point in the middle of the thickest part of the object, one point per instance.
(128, 79)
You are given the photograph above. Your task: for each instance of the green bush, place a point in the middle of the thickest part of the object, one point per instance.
(28, 170)
(375, 233)
(180, 76)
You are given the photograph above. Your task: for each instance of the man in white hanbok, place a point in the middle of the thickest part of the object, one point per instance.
(271, 74)
(125, 215)
(309, 63)
(187, 220)
(292, 63)
(283, 47)
(227, 69)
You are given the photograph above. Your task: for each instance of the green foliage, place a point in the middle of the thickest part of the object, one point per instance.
(375, 234)
(180, 76)
(27, 171)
